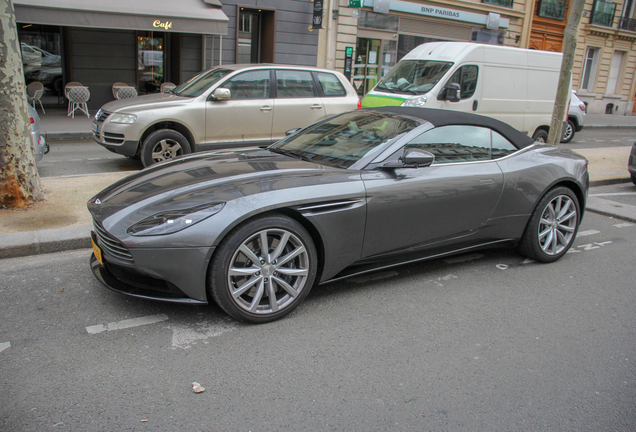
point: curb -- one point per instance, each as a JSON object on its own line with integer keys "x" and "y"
{"x": 20, "y": 244}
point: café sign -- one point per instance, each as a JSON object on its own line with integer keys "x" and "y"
{"x": 164, "y": 25}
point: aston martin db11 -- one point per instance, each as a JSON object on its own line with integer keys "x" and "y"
{"x": 254, "y": 229}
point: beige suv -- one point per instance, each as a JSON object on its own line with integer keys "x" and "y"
{"x": 223, "y": 107}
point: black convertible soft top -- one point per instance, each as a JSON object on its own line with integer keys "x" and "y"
{"x": 440, "y": 117}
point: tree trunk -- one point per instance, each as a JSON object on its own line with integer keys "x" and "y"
{"x": 19, "y": 179}
{"x": 563, "y": 92}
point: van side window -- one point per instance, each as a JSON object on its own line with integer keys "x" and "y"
{"x": 501, "y": 147}
{"x": 466, "y": 77}
{"x": 454, "y": 144}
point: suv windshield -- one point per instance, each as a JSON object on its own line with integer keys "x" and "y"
{"x": 343, "y": 140}
{"x": 196, "y": 85}
{"x": 413, "y": 76}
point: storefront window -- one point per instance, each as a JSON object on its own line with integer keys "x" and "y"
{"x": 492, "y": 37}
{"x": 42, "y": 59}
{"x": 406, "y": 43}
{"x": 378, "y": 21}
{"x": 150, "y": 61}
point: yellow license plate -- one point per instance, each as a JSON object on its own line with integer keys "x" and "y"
{"x": 98, "y": 252}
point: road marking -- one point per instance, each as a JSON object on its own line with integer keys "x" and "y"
{"x": 587, "y": 233}
{"x": 4, "y": 346}
{"x": 184, "y": 336}
{"x": 120, "y": 325}
{"x": 614, "y": 194}
{"x": 502, "y": 266}
{"x": 623, "y": 225}
{"x": 589, "y": 247}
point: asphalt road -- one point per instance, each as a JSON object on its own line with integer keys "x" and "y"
{"x": 88, "y": 157}
{"x": 482, "y": 342}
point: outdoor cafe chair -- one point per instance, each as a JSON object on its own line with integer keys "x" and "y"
{"x": 78, "y": 97}
{"x": 126, "y": 92}
{"x": 35, "y": 90}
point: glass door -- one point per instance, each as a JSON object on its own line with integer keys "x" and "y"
{"x": 150, "y": 61}
{"x": 373, "y": 59}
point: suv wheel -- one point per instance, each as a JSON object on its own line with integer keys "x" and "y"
{"x": 162, "y": 145}
{"x": 569, "y": 131}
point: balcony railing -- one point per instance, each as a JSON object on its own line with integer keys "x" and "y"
{"x": 554, "y": 9}
{"x": 627, "y": 24}
{"x": 603, "y": 13}
{"x": 504, "y": 3}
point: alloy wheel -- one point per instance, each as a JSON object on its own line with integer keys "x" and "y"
{"x": 166, "y": 149}
{"x": 557, "y": 225}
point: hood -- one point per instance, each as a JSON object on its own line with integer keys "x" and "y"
{"x": 205, "y": 178}
{"x": 151, "y": 101}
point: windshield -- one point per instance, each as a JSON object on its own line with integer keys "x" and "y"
{"x": 196, "y": 85}
{"x": 343, "y": 140}
{"x": 413, "y": 76}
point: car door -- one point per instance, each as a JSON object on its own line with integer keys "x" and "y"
{"x": 420, "y": 207}
{"x": 297, "y": 103}
{"x": 246, "y": 118}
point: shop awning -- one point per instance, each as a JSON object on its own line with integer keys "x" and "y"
{"x": 182, "y": 16}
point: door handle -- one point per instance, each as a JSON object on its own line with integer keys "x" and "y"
{"x": 316, "y": 106}
{"x": 475, "y": 104}
{"x": 266, "y": 108}
{"x": 487, "y": 181}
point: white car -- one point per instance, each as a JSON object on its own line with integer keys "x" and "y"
{"x": 40, "y": 147}
{"x": 576, "y": 118}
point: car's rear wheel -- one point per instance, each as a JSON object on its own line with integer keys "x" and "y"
{"x": 163, "y": 144}
{"x": 552, "y": 226}
{"x": 264, "y": 269}
{"x": 540, "y": 136}
{"x": 568, "y": 132}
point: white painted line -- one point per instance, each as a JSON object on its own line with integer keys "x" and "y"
{"x": 614, "y": 194}
{"x": 4, "y": 346}
{"x": 93, "y": 159}
{"x": 623, "y": 225}
{"x": 135, "y": 322}
{"x": 587, "y": 233}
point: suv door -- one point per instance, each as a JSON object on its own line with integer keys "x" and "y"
{"x": 246, "y": 118}
{"x": 297, "y": 103}
{"x": 333, "y": 94}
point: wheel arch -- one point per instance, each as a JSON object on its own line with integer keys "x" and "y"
{"x": 172, "y": 125}
{"x": 570, "y": 184}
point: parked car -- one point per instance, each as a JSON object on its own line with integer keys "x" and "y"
{"x": 576, "y": 118}
{"x": 227, "y": 106}
{"x": 40, "y": 147}
{"x": 253, "y": 229}
{"x": 631, "y": 165}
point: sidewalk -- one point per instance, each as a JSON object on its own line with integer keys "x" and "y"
{"x": 61, "y": 222}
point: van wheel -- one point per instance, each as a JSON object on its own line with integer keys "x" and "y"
{"x": 162, "y": 145}
{"x": 540, "y": 136}
{"x": 568, "y": 132}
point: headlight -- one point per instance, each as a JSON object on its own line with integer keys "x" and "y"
{"x": 99, "y": 112}
{"x": 417, "y": 102}
{"x": 123, "y": 118}
{"x": 172, "y": 221}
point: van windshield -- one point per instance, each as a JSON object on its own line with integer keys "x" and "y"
{"x": 196, "y": 85}
{"x": 413, "y": 76}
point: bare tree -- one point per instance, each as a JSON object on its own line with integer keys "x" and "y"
{"x": 563, "y": 92}
{"x": 19, "y": 179}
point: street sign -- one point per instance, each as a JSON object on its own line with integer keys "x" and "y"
{"x": 348, "y": 62}
{"x": 317, "y": 21}
{"x": 355, "y": 3}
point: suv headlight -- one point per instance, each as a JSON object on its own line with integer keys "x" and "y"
{"x": 123, "y": 118}
{"x": 417, "y": 102}
{"x": 173, "y": 221}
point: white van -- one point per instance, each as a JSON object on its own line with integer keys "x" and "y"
{"x": 514, "y": 85}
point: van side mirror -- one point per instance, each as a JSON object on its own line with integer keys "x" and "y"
{"x": 221, "y": 94}
{"x": 451, "y": 93}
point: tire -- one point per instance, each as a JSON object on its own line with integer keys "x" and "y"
{"x": 552, "y": 227}
{"x": 163, "y": 144}
{"x": 243, "y": 281}
{"x": 568, "y": 132}
{"x": 632, "y": 176}
{"x": 540, "y": 136}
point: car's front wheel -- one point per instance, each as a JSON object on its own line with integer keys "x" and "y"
{"x": 568, "y": 132}
{"x": 552, "y": 226}
{"x": 264, "y": 269}
{"x": 163, "y": 144}
{"x": 540, "y": 136}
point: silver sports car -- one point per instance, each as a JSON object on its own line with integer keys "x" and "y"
{"x": 254, "y": 229}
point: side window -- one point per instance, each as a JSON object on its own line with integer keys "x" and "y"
{"x": 249, "y": 85}
{"x": 501, "y": 147}
{"x": 330, "y": 84}
{"x": 294, "y": 84}
{"x": 454, "y": 143}
{"x": 466, "y": 77}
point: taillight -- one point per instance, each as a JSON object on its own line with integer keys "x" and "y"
{"x": 359, "y": 104}
{"x": 32, "y": 121}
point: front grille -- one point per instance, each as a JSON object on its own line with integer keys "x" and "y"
{"x": 102, "y": 115}
{"x": 111, "y": 245}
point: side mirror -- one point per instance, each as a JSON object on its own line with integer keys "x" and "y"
{"x": 451, "y": 93}
{"x": 413, "y": 158}
{"x": 221, "y": 94}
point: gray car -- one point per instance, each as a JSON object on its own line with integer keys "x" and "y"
{"x": 224, "y": 107}
{"x": 254, "y": 229}
{"x": 40, "y": 147}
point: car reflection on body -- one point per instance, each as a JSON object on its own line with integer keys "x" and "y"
{"x": 254, "y": 229}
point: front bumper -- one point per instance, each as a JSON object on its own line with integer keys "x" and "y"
{"x": 115, "y": 140}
